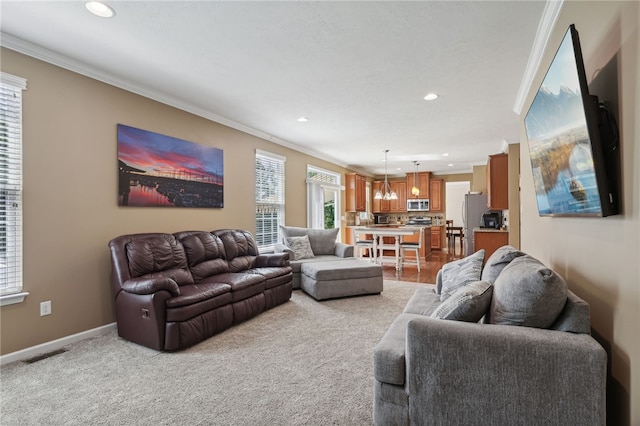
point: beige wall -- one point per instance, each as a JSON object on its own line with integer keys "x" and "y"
{"x": 479, "y": 182}
{"x": 70, "y": 194}
{"x": 600, "y": 257}
{"x": 514, "y": 195}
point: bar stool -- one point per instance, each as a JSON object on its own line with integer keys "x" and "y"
{"x": 361, "y": 245}
{"x": 404, "y": 246}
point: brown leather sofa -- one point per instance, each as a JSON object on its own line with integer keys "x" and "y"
{"x": 175, "y": 290}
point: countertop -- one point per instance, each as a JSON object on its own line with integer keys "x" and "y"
{"x": 391, "y": 225}
{"x": 505, "y": 231}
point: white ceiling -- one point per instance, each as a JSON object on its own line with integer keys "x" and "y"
{"x": 358, "y": 70}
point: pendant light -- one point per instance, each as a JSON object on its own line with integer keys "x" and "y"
{"x": 415, "y": 191}
{"x": 388, "y": 193}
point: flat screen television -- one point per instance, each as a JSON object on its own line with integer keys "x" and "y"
{"x": 572, "y": 156}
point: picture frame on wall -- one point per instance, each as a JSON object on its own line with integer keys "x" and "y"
{"x": 156, "y": 170}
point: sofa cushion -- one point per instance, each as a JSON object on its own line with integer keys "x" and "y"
{"x": 468, "y": 303}
{"x": 323, "y": 241}
{"x": 497, "y": 261}
{"x": 158, "y": 256}
{"x": 424, "y": 301}
{"x": 527, "y": 293}
{"x": 300, "y": 247}
{"x": 460, "y": 273}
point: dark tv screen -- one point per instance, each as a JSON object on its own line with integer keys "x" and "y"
{"x": 562, "y": 129}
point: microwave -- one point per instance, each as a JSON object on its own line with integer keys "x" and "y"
{"x": 418, "y": 205}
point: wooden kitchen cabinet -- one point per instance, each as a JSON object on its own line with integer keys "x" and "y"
{"x": 436, "y": 237}
{"x": 435, "y": 195}
{"x": 498, "y": 182}
{"x": 423, "y": 185}
{"x": 390, "y": 206}
{"x": 356, "y": 193}
{"x": 399, "y": 205}
{"x": 378, "y": 206}
{"x": 489, "y": 240}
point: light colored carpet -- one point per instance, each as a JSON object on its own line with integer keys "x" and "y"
{"x": 301, "y": 363}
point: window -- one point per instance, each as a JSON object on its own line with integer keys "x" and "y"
{"x": 323, "y": 198}
{"x": 11, "y": 88}
{"x": 269, "y": 199}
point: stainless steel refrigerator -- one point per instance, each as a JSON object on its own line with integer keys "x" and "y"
{"x": 474, "y": 206}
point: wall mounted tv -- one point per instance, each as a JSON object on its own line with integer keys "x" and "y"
{"x": 573, "y": 144}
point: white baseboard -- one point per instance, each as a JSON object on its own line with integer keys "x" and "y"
{"x": 54, "y": 344}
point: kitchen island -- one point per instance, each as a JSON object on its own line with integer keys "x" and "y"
{"x": 387, "y": 238}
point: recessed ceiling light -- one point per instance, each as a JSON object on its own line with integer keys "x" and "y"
{"x": 100, "y": 9}
{"x": 446, "y": 154}
{"x": 302, "y": 119}
{"x": 431, "y": 97}
{"x": 450, "y": 164}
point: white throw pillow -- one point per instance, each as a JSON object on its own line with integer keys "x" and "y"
{"x": 301, "y": 247}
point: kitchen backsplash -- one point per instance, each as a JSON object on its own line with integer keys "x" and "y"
{"x": 350, "y": 218}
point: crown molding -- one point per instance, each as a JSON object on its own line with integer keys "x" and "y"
{"x": 38, "y": 52}
{"x": 545, "y": 27}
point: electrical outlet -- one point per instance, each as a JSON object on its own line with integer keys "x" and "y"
{"x": 45, "y": 308}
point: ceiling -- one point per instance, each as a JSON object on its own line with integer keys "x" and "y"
{"x": 357, "y": 70}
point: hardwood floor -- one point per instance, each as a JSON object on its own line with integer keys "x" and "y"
{"x": 428, "y": 269}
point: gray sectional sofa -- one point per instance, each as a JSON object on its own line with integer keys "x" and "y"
{"x": 507, "y": 344}
{"x": 320, "y": 245}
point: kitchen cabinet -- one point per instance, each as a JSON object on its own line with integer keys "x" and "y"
{"x": 399, "y": 205}
{"x": 489, "y": 240}
{"x": 423, "y": 184}
{"x": 435, "y": 195}
{"x": 378, "y": 206}
{"x": 436, "y": 237}
{"x": 390, "y": 206}
{"x": 498, "y": 182}
{"x": 356, "y": 193}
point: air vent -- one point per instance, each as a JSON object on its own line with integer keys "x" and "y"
{"x": 45, "y": 356}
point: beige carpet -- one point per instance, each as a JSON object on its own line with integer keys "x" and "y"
{"x": 301, "y": 363}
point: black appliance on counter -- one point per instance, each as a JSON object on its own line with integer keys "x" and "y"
{"x": 491, "y": 220}
{"x": 419, "y": 221}
{"x": 381, "y": 219}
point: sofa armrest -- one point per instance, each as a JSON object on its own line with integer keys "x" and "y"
{"x": 281, "y": 248}
{"x": 343, "y": 250}
{"x": 151, "y": 285}
{"x": 507, "y": 374}
{"x": 275, "y": 259}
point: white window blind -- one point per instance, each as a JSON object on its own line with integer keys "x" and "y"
{"x": 11, "y": 88}
{"x": 269, "y": 199}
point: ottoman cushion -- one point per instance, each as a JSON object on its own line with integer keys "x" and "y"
{"x": 329, "y": 280}
{"x": 340, "y": 270}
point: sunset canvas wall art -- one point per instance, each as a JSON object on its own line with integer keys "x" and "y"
{"x": 155, "y": 170}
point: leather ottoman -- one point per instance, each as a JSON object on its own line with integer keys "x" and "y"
{"x": 342, "y": 278}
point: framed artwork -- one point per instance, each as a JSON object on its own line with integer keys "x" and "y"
{"x": 155, "y": 170}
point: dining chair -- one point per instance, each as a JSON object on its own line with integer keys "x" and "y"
{"x": 413, "y": 246}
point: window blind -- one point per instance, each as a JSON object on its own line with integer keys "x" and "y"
{"x": 270, "y": 174}
{"x": 11, "y": 88}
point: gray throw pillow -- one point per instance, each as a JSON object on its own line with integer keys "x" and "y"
{"x": 300, "y": 247}
{"x": 468, "y": 303}
{"x": 527, "y": 293}
{"x": 323, "y": 241}
{"x": 461, "y": 272}
{"x": 497, "y": 261}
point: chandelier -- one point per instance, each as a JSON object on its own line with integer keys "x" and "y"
{"x": 415, "y": 191}
{"x": 388, "y": 193}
